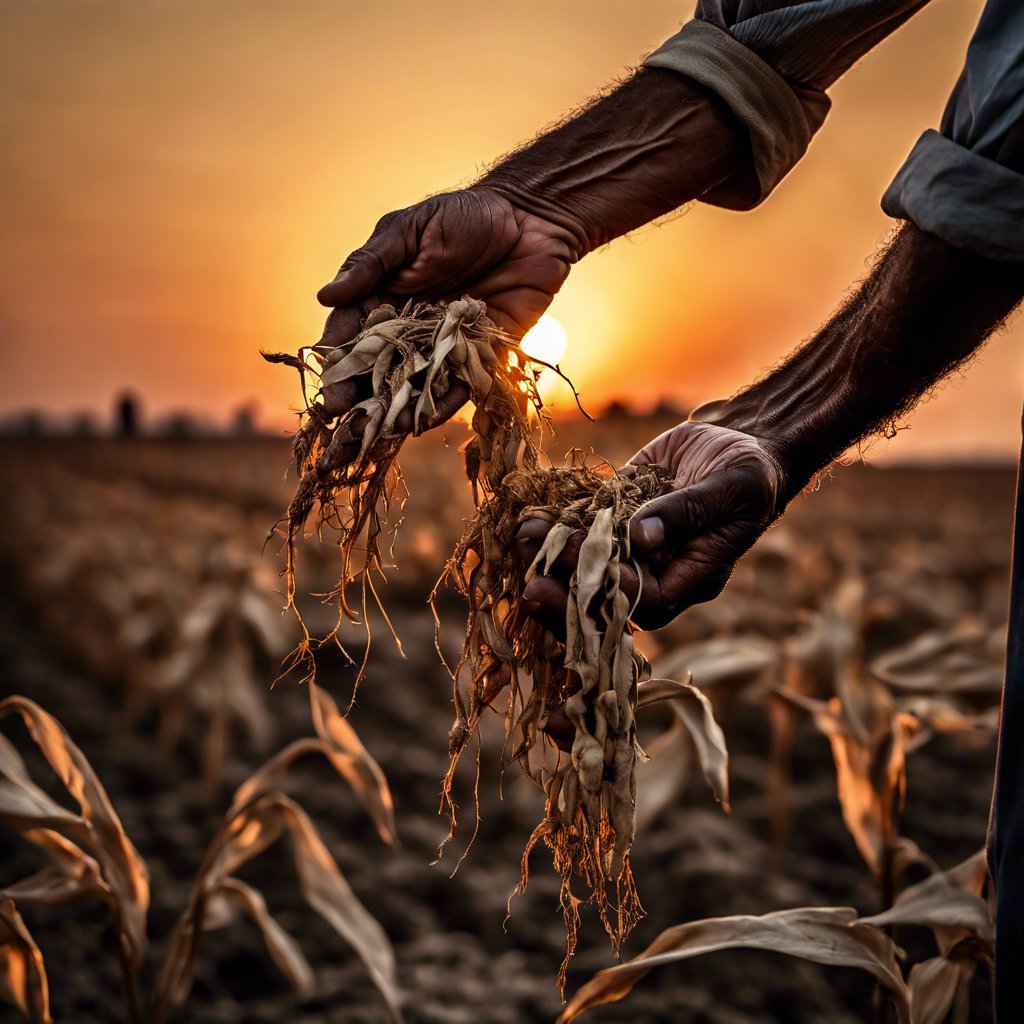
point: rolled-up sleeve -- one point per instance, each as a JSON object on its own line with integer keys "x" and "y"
{"x": 965, "y": 182}
{"x": 771, "y": 62}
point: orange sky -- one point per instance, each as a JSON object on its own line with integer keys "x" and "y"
{"x": 178, "y": 177}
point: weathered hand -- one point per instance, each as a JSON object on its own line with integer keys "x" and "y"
{"x": 472, "y": 242}
{"x": 729, "y": 487}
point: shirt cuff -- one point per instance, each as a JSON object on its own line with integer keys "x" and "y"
{"x": 961, "y": 197}
{"x": 780, "y": 117}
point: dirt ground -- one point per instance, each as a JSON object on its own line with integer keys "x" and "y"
{"x": 945, "y": 532}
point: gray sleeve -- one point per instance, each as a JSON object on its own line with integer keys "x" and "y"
{"x": 771, "y": 61}
{"x": 965, "y": 183}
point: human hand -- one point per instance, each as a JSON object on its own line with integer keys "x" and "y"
{"x": 729, "y": 487}
{"x": 472, "y": 242}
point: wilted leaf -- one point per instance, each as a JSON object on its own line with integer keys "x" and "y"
{"x": 870, "y": 760}
{"x": 933, "y": 987}
{"x": 22, "y": 973}
{"x": 824, "y": 935}
{"x": 338, "y": 742}
{"x": 939, "y": 662}
{"x": 283, "y": 949}
{"x": 73, "y": 872}
{"x": 723, "y": 661}
{"x": 661, "y": 780}
{"x": 949, "y": 903}
{"x": 248, "y": 830}
{"x": 353, "y": 762}
{"x": 327, "y": 892}
{"x": 945, "y": 715}
{"x": 98, "y": 828}
{"x": 695, "y": 712}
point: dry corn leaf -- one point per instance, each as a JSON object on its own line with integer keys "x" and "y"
{"x": 73, "y": 872}
{"x": 940, "y": 663}
{"x": 98, "y": 827}
{"x": 869, "y": 751}
{"x": 824, "y": 935}
{"x": 934, "y": 985}
{"x": 723, "y": 661}
{"x": 662, "y": 779}
{"x": 353, "y": 762}
{"x": 949, "y": 903}
{"x": 23, "y": 980}
{"x": 283, "y": 949}
{"x": 337, "y": 741}
{"x": 247, "y": 832}
{"x": 695, "y": 712}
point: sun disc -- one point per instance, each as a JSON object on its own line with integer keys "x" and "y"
{"x": 546, "y": 340}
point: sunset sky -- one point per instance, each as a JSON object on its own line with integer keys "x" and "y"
{"x": 178, "y": 177}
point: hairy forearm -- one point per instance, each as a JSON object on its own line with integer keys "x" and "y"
{"x": 652, "y": 144}
{"x": 925, "y": 308}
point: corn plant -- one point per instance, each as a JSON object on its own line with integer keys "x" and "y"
{"x": 90, "y": 856}
{"x": 948, "y": 903}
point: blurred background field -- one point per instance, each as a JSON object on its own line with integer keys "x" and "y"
{"x": 140, "y": 606}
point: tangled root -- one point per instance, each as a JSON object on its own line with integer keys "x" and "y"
{"x": 346, "y": 452}
{"x": 589, "y": 819}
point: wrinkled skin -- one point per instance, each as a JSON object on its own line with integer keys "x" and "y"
{"x": 472, "y": 242}
{"x": 729, "y": 489}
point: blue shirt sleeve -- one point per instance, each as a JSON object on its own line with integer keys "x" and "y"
{"x": 965, "y": 182}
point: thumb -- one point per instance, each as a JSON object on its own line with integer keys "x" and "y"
{"x": 365, "y": 268}
{"x": 674, "y": 518}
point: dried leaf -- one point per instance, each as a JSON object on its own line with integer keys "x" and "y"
{"x": 353, "y": 762}
{"x": 99, "y": 828}
{"x": 327, "y": 892}
{"x": 723, "y": 661}
{"x": 940, "y": 663}
{"x": 338, "y": 742}
{"x": 824, "y": 935}
{"x": 695, "y": 712}
{"x": 662, "y": 779}
{"x": 247, "y": 832}
{"x": 22, "y": 972}
{"x": 283, "y": 949}
{"x": 949, "y": 903}
{"x": 933, "y": 987}
{"x": 74, "y": 873}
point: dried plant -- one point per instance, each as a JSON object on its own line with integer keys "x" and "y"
{"x": 596, "y": 675}
{"x": 89, "y": 851}
{"x": 348, "y": 472}
{"x": 90, "y": 855}
{"x": 163, "y": 597}
{"x": 23, "y": 981}
{"x": 248, "y": 829}
{"x": 346, "y": 452}
{"x": 827, "y": 935}
{"x": 948, "y": 903}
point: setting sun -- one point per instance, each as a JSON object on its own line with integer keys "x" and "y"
{"x": 545, "y": 341}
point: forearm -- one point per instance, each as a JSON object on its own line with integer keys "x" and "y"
{"x": 654, "y": 143}
{"x": 925, "y": 308}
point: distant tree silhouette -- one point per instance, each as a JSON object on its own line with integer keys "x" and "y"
{"x": 126, "y": 415}
{"x": 32, "y": 423}
{"x": 669, "y": 409}
{"x": 617, "y": 410}
{"x": 83, "y": 424}
{"x": 180, "y": 426}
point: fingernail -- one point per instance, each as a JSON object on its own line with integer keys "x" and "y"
{"x": 651, "y": 532}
